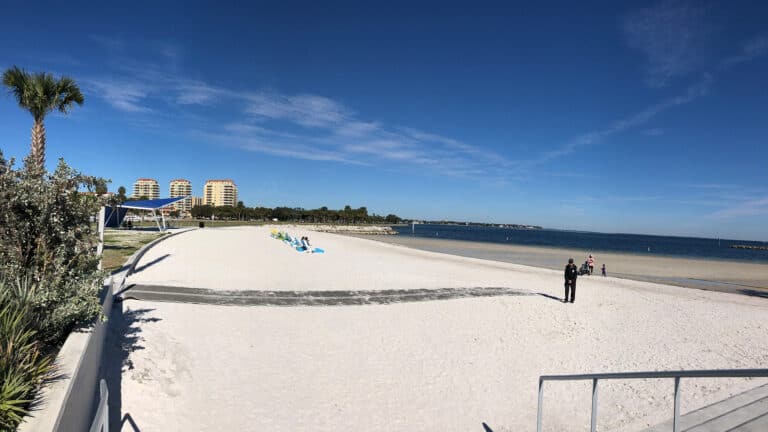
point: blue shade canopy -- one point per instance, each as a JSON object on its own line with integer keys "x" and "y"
{"x": 113, "y": 216}
{"x": 150, "y": 204}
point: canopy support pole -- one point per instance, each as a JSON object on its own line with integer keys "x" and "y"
{"x": 157, "y": 220}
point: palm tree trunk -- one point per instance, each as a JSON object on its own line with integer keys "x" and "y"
{"x": 37, "y": 152}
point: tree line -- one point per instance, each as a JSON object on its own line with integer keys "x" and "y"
{"x": 347, "y": 215}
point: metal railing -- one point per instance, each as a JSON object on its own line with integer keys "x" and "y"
{"x": 101, "y": 419}
{"x": 676, "y": 375}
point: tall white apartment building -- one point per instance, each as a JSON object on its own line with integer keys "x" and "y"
{"x": 220, "y": 193}
{"x": 146, "y": 187}
{"x": 181, "y": 188}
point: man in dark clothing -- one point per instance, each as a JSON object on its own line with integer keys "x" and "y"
{"x": 570, "y": 280}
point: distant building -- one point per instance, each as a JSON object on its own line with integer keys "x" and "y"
{"x": 220, "y": 193}
{"x": 196, "y": 201}
{"x": 181, "y": 188}
{"x": 146, "y": 187}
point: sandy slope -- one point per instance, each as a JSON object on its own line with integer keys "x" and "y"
{"x": 437, "y": 365}
{"x": 700, "y": 273}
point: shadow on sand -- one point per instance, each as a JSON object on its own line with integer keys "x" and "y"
{"x": 755, "y": 293}
{"x": 150, "y": 264}
{"x": 124, "y": 337}
{"x": 550, "y": 297}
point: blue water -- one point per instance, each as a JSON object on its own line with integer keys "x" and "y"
{"x": 590, "y": 242}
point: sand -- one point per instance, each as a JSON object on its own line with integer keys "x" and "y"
{"x": 721, "y": 275}
{"x": 445, "y": 365}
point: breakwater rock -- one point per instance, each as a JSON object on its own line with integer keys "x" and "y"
{"x": 752, "y": 247}
{"x": 350, "y": 229}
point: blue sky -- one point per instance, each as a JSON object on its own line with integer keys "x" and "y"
{"x": 645, "y": 117}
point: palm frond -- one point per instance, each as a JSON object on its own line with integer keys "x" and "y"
{"x": 18, "y": 81}
{"x": 68, "y": 94}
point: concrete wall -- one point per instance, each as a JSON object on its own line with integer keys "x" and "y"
{"x": 69, "y": 403}
{"x": 80, "y": 407}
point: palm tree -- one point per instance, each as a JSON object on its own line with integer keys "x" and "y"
{"x": 41, "y": 93}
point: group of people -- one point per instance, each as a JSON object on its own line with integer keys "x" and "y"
{"x": 301, "y": 245}
{"x": 571, "y": 273}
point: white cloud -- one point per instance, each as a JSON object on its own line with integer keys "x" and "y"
{"x": 751, "y": 50}
{"x": 654, "y": 132}
{"x": 306, "y": 110}
{"x": 357, "y": 128}
{"x": 197, "y": 93}
{"x": 751, "y": 207}
{"x": 672, "y": 35}
{"x": 695, "y": 91}
{"x": 108, "y": 42}
{"x": 123, "y": 95}
{"x": 302, "y": 126}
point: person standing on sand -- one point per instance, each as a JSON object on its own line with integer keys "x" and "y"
{"x": 603, "y": 270}
{"x": 570, "y": 280}
{"x": 591, "y": 262}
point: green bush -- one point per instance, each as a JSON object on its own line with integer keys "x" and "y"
{"x": 47, "y": 246}
{"x": 23, "y": 366}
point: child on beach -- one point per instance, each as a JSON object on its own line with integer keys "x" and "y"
{"x": 603, "y": 270}
{"x": 591, "y": 262}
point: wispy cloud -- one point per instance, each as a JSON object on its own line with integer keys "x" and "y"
{"x": 301, "y": 126}
{"x": 197, "y": 93}
{"x": 751, "y": 50}
{"x": 654, "y": 132}
{"x": 110, "y": 43}
{"x": 123, "y": 95}
{"x": 325, "y": 129}
{"x": 672, "y": 35}
{"x": 304, "y": 109}
{"x": 694, "y": 91}
{"x": 753, "y": 207}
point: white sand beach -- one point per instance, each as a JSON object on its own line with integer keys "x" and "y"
{"x": 438, "y": 365}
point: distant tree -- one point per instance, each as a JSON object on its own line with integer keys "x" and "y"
{"x": 121, "y": 198}
{"x": 40, "y": 94}
{"x": 393, "y": 219}
{"x": 101, "y": 186}
{"x": 203, "y": 211}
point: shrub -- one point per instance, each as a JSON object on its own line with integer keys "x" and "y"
{"x": 49, "y": 277}
{"x": 23, "y": 366}
{"x": 47, "y": 246}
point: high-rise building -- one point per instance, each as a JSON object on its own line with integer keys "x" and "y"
{"x": 146, "y": 187}
{"x": 181, "y": 188}
{"x": 220, "y": 193}
{"x": 196, "y": 201}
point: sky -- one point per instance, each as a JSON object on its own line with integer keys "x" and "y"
{"x": 632, "y": 117}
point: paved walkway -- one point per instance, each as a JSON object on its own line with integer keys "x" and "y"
{"x": 744, "y": 412}
{"x": 309, "y": 298}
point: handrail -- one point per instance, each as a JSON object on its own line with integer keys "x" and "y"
{"x": 101, "y": 419}
{"x": 710, "y": 373}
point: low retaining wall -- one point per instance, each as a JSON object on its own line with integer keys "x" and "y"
{"x": 69, "y": 403}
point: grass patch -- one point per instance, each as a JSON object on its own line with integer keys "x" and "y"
{"x": 119, "y": 245}
{"x": 188, "y": 223}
